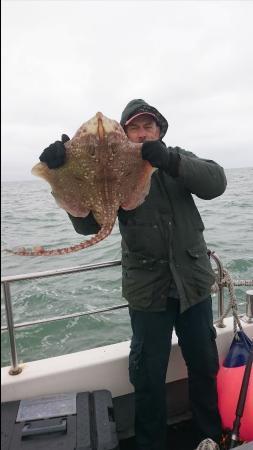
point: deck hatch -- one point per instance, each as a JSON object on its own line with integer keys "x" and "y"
{"x": 47, "y": 406}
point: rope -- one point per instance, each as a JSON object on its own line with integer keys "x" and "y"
{"x": 230, "y": 284}
{"x": 223, "y": 283}
{"x": 243, "y": 282}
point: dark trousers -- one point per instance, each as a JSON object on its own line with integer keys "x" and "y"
{"x": 148, "y": 361}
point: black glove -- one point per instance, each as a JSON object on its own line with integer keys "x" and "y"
{"x": 161, "y": 157}
{"x": 54, "y": 156}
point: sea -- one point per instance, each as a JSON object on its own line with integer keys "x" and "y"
{"x": 30, "y": 217}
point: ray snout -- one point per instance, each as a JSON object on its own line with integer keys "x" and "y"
{"x": 101, "y": 130}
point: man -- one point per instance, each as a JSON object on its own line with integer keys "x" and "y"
{"x": 166, "y": 276}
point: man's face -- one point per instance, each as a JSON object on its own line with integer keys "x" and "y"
{"x": 143, "y": 128}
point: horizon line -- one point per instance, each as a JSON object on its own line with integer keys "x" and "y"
{"x": 38, "y": 179}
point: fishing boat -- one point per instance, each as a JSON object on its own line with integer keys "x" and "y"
{"x": 106, "y": 368}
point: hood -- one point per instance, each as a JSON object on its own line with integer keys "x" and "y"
{"x": 140, "y": 106}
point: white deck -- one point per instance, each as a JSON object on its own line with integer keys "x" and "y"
{"x": 98, "y": 368}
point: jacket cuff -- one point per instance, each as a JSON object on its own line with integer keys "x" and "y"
{"x": 85, "y": 225}
{"x": 174, "y": 163}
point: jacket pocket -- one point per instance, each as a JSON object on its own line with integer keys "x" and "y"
{"x": 200, "y": 269}
{"x": 196, "y": 252}
{"x": 137, "y": 279}
{"x": 143, "y": 278}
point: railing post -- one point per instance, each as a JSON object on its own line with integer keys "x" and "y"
{"x": 220, "y": 291}
{"x": 248, "y": 317}
{"x": 15, "y": 368}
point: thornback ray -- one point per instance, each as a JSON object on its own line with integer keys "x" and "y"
{"x": 103, "y": 171}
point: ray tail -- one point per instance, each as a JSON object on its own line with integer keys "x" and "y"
{"x": 40, "y": 251}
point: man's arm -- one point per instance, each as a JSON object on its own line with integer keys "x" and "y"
{"x": 202, "y": 177}
{"x": 87, "y": 225}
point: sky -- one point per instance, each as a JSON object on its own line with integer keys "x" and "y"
{"x": 62, "y": 61}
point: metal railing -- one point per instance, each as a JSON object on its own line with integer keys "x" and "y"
{"x": 6, "y": 281}
{"x": 10, "y": 327}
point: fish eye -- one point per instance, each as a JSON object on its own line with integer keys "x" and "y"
{"x": 92, "y": 152}
{"x": 114, "y": 149}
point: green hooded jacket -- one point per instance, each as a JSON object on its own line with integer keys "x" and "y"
{"x": 162, "y": 239}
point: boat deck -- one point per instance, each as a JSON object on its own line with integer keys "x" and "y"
{"x": 180, "y": 436}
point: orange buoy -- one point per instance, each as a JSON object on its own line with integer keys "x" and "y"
{"x": 229, "y": 383}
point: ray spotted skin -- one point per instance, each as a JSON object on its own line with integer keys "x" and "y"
{"x": 103, "y": 171}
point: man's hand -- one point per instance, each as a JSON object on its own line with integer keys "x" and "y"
{"x": 160, "y": 156}
{"x": 54, "y": 156}
{"x": 156, "y": 153}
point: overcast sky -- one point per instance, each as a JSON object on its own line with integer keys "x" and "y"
{"x": 62, "y": 61}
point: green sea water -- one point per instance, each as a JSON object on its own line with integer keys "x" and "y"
{"x": 30, "y": 217}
